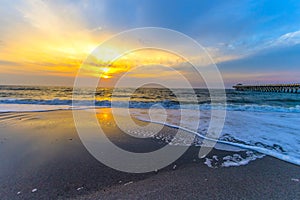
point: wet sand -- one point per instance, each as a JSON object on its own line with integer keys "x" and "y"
{"x": 42, "y": 157}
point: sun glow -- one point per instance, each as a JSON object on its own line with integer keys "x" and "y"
{"x": 105, "y": 69}
{"x": 51, "y": 46}
{"x": 107, "y": 63}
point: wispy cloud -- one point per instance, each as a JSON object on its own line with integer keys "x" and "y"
{"x": 51, "y": 18}
{"x": 290, "y": 38}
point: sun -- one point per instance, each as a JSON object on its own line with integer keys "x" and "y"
{"x": 105, "y": 76}
{"x": 106, "y": 72}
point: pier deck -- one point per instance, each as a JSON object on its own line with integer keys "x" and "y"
{"x": 284, "y": 88}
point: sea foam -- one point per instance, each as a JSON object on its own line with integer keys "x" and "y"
{"x": 270, "y": 133}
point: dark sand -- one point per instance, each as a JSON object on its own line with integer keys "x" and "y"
{"x": 42, "y": 150}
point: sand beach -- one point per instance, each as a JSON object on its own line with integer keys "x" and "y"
{"x": 42, "y": 157}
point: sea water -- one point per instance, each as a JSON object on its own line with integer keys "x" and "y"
{"x": 268, "y": 123}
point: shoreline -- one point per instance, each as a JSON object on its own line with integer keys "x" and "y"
{"x": 42, "y": 151}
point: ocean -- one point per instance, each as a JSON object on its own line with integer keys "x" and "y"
{"x": 268, "y": 123}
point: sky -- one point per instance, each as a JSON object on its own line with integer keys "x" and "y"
{"x": 45, "y": 42}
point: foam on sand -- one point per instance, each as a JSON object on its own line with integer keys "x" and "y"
{"x": 275, "y": 134}
{"x": 234, "y": 160}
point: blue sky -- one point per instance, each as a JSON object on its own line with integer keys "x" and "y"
{"x": 250, "y": 41}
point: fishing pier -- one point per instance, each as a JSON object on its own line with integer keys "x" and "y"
{"x": 283, "y": 88}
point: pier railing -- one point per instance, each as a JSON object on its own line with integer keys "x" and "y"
{"x": 285, "y": 88}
